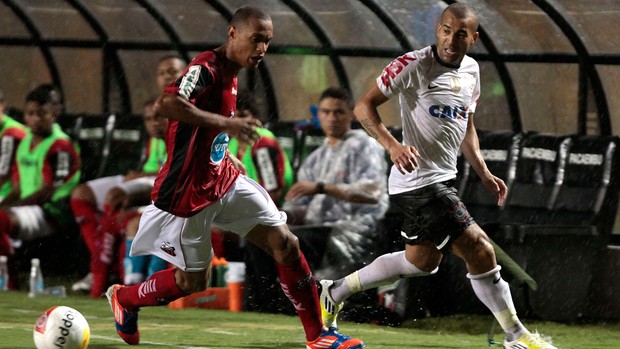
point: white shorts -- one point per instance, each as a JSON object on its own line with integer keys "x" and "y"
{"x": 101, "y": 186}
{"x": 186, "y": 242}
{"x": 32, "y": 223}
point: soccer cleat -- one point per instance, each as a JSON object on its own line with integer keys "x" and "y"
{"x": 126, "y": 321}
{"x": 329, "y": 308}
{"x": 529, "y": 341}
{"x": 83, "y": 285}
{"x": 330, "y": 339}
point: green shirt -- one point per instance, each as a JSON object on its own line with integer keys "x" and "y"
{"x": 31, "y": 162}
{"x": 156, "y": 155}
{"x": 267, "y": 165}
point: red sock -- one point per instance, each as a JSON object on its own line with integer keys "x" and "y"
{"x": 160, "y": 289}
{"x": 105, "y": 254}
{"x": 299, "y": 286}
{"x": 86, "y": 217}
{"x": 6, "y": 248}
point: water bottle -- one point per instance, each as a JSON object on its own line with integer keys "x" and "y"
{"x": 36, "y": 278}
{"x": 4, "y": 274}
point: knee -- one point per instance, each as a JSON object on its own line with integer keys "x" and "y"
{"x": 116, "y": 198}
{"x": 83, "y": 192}
{"x": 285, "y": 249}
{"x": 191, "y": 282}
{"x": 132, "y": 227}
{"x": 480, "y": 251}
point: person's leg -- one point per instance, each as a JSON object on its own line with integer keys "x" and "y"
{"x": 250, "y": 212}
{"x": 7, "y": 230}
{"x": 295, "y": 276}
{"x": 134, "y": 266}
{"x": 415, "y": 260}
{"x": 84, "y": 207}
{"x": 474, "y": 248}
{"x": 87, "y": 201}
{"x": 161, "y": 233}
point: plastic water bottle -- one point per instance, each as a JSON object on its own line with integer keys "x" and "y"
{"x": 4, "y": 274}
{"x": 37, "y": 286}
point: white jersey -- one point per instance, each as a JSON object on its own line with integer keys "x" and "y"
{"x": 435, "y": 102}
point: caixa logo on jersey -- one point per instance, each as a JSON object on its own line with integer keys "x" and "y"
{"x": 448, "y": 112}
{"x": 218, "y": 147}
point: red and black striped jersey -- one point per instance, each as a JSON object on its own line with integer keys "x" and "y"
{"x": 197, "y": 172}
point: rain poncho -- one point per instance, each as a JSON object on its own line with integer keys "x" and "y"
{"x": 356, "y": 163}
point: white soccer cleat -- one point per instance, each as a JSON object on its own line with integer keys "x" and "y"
{"x": 529, "y": 341}
{"x": 83, "y": 285}
{"x": 329, "y": 308}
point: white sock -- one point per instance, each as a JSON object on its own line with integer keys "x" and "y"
{"x": 494, "y": 292}
{"x": 384, "y": 270}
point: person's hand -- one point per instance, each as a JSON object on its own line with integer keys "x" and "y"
{"x": 404, "y": 157}
{"x": 132, "y": 175}
{"x": 236, "y": 163}
{"x": 244, "y": 129}
{"x": 497, "y": 186}
{"x": 301, "y": 189}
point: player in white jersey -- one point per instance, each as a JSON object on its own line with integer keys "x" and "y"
{"x": 438, "y": 89}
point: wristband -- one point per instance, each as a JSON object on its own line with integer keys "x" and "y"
{"x": 320, "y": 187}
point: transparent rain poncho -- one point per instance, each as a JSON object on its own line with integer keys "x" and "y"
{"x": 356, "y": 163}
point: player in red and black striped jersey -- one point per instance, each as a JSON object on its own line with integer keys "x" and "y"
{"x": 199, "y": 186}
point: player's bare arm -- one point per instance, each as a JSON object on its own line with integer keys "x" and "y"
{"x": 471, "y": 150}
{"x": 178, "y": 108}
{"x": 404, "y": 157}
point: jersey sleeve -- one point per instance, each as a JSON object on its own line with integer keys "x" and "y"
{"x": 195, "y": 80}
{"x": 399, "y": 75}
{"x": 62, "y": 163}
{"x": 8, "y": 147}
{"x": 476, "y": 94}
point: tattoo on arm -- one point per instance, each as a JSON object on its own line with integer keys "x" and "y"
{"x": 369, "y": 126}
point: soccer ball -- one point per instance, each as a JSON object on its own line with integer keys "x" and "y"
{"x": 61, "y": 327}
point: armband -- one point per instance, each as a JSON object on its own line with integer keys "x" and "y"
{"x": 320, "y": 187}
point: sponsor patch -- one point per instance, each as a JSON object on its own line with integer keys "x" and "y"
{"x": 189, "y": 81}
{"x": 218, "y": 147}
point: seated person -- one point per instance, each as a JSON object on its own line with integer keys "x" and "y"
{"x": 99, "y": 205}
{"x": 48, "y": 168}
{"x": 102, "y": 207}
{"x": 266, "y": 163}
{"x": 11, "y": 133}
{"x": 342, "y": 185}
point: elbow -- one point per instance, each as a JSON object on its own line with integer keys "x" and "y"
{"x": 164, "y": 104}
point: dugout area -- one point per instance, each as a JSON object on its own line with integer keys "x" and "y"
{"x": 548, "y": 117}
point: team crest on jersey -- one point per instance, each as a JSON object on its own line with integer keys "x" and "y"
{"x": 218, "y": 147}
{"x": 455, "y": 84}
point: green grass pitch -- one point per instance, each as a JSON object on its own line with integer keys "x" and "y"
{"x": 162, "y": 327}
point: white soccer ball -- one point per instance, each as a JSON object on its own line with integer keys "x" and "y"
{"x": 61, "y": 327}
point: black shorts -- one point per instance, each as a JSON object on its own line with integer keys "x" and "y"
{"x": 433, "y": 213}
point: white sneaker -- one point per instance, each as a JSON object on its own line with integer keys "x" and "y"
{"x": 83, "y": 285}
{"x": 529, "y": 341}
{"x": 329, "y": 308}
